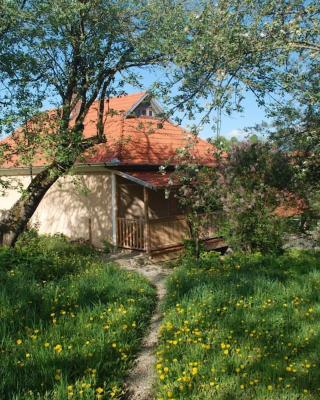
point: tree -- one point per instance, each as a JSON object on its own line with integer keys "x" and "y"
{"x": 295, "y": 129}
{"x": 79, "y": 52}
{"x": 255, "y": 180}
{"x": 246, "y": 185}
{"x": 237, "y": 46}
{"x": 196, "y": 192}
{"x": 270, "y": 48}
{"x": 212, "y": 50}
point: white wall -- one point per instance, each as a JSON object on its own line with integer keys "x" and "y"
{"x": 69, "y": 204}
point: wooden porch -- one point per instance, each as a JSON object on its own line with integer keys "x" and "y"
{"x": 158, "y": 234}
{"x": 150, "y": 220}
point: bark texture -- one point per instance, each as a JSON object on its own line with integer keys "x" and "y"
{"x": 16, "y": 220}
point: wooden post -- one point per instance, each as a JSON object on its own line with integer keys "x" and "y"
{"x": 114, "y": 206}
{"x": 146, "y": 220}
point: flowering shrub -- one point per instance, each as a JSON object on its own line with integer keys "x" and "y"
{"x": 254, "y": 181}
{"x": 70, "y": 323}
{"x": 245, "y": 186}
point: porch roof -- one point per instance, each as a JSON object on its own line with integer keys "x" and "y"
{"x": 154, "y": 180}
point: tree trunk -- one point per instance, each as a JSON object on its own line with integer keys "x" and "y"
{"x": 15, "y": 222}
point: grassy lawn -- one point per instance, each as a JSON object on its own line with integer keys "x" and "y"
{"x": 242, "y": 328}
{"x": 70, "y": 324}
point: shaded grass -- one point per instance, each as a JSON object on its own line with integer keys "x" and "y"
{"x": 242, "y": 328}
{"x": 70, "y": 324}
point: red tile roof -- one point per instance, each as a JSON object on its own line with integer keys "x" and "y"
{"x": 291, "y": 206}
{"x": 134, "y": 140}
{"x": 151, "y": 179}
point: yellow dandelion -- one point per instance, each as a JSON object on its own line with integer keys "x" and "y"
{"x": 194, "y": 371}
{"x": 58, "y": 348}
{"x": 19, "y": 341}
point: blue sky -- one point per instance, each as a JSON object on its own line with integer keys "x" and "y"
{"x": 234, "y": 124}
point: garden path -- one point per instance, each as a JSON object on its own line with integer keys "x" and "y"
{"x": 139, "y": 385}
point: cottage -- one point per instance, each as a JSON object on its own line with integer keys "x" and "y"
{"x": 117, "y": 193}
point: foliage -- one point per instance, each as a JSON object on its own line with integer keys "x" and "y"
{"x": 70, "y": 57}
{"x": 257, "y": 339}
{"x": 233, "y": 46}
{"x": 191, "y": 249}
{"x": 70, "y": 323}
{"x": 255, "y": 181}
{"x": 224, "y": 144}
{"x": 107, "y": 247}
{"x": 243, "y": 188}
{"x": 195, "y": 191}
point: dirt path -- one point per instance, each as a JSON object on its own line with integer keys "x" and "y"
{"x": 140, "y": 381}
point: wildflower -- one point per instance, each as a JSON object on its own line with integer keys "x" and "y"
{"x": 99, "y": 390}
{"x": 270, "y": 387}
{"x": 58, "y": 348}
{"x": 194, "y": 371}
{"x": 19, "y": 341}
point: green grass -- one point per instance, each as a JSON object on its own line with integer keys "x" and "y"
{"x": 70, "y": 323}
{"x": 242, "y": 328}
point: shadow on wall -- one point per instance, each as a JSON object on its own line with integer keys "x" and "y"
{"x": 72, "y": 203}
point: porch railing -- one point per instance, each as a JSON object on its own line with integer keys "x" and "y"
{"x": 130, "y": 233}
{"x": 164, "y": 232}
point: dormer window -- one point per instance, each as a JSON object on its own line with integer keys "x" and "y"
{"x": 147, "y": 107}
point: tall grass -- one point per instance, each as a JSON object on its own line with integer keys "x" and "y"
{"x": 70, "y": 323}
{"x": 242, "y": 328}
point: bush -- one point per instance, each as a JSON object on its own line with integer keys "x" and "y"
{"x": 253, "y": 227}
{"x": 107, "y": 247}
{"x": 190, "y": 248}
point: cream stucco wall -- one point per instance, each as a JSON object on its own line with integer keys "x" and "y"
{"x": 71, "y": 206}
{"x": 11, "y": 195}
